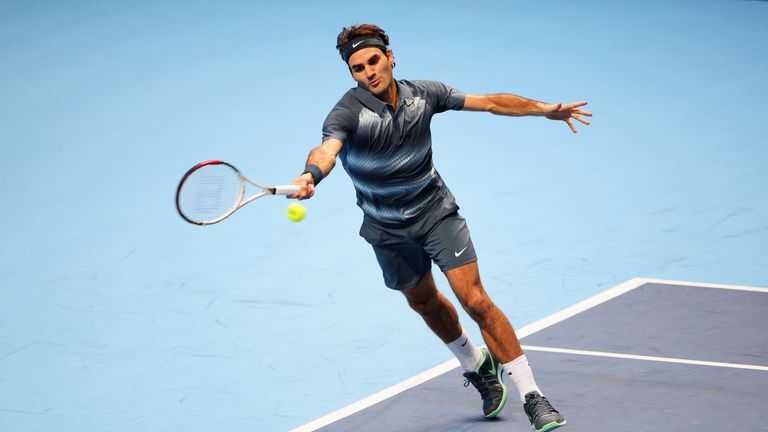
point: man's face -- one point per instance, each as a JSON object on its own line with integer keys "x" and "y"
{"x": 372, "y": 69}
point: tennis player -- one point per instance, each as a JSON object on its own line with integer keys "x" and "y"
{"x": 380, "y": 130}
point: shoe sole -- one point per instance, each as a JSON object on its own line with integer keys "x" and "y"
{"x": 550, "y": 426}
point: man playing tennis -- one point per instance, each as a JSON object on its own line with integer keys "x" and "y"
{"x": 381, "y": 132}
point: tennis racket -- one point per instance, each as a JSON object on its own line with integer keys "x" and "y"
{"x": 212, "y": 190}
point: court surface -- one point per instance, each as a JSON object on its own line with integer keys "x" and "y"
{"x": 647, "y": 355}
{"x": 118, "y": 316}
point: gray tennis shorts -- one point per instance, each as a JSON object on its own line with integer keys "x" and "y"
{"x": 406, "y": 254}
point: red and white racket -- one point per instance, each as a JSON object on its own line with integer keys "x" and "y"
{"x": 212, "y": 190}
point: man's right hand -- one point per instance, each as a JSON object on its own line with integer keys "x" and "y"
{"x": 307, "y": 184}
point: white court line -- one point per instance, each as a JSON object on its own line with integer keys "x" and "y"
{"x": 580, "y": 307}
{"x": 703, "y": 285}
{"x": 521, "y": 333}
{"x": 378, "y": 397}
{"x": 645, "y": 358}
{"x": 452, "y": 364}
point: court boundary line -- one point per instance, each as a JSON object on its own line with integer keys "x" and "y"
{"x": 705, "y": 285}
{"x": 644, "y": 358}
{"x": 534, "y": 327}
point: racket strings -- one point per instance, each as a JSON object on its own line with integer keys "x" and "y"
{"x": 211, "y": 192}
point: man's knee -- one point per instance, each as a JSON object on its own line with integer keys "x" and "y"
{"x": 424, "y": 305}
{"x": 423, "y": 298}
{"x": 478, "y": 306}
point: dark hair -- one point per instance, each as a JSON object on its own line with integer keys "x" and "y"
{"x": 353, "y": 31}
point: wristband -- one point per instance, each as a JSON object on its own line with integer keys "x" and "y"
{"x": 317, "y": 173}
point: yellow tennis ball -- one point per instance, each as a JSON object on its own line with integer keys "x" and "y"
{"x": 296, "y": 212}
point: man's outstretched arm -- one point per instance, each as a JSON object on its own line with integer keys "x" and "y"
{"x": 512, "y": 105}
{"x": 324, "y": 158}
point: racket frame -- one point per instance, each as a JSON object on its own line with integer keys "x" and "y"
{"x": 265, "y": 191}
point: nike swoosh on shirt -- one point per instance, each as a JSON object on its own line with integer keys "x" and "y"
{"x": 458, "y": 254}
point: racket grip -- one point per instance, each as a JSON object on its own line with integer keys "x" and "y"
{"x": 287, "y": 189}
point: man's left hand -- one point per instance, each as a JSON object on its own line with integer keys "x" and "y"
{"x": 567, "y": 112}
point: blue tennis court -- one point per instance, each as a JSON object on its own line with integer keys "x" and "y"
{"x": 116, "y": 315}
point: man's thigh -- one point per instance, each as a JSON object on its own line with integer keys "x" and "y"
{"x": 449, "y": 243}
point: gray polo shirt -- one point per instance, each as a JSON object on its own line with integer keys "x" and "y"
{"x": 388, "y": 152}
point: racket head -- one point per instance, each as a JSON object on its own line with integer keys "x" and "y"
{"x": 209, "y": 192}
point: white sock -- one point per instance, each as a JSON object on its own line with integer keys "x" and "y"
{"x": 522, "y": 375}
{"x": 467, "y": 352}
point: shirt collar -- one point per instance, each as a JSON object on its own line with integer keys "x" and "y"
{"x": 378, "y": 106}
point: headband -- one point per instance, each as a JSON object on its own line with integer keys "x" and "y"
{"x": 359, "y": 43}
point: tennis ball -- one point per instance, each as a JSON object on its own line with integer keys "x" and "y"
{"x": 296, "y": 212}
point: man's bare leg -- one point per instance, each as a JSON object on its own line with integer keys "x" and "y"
{"x": 480, "y": 367}
{"x": 436, "y": 310}
{"x": 502, "y": 341}
{"x": 494, "y": 325}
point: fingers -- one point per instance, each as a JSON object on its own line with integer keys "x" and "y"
{"x": 307, "y": 188}
{"x": 303, "y": 194}
{"x": 310, "y": 192}
{"x": 570, "y": 125}
{"x": 572, "y": 111}
{"x": 582, "y": 112}
{"x": 306, "y": 192}
{"x": 580, "y": 119}
{"x": 571, "y": 106}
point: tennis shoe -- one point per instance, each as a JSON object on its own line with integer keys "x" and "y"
{"x": 487, "y": 380}
{"x": 540, "y": 412}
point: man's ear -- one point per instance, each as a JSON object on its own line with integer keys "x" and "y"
{"x": 390, "y": 56}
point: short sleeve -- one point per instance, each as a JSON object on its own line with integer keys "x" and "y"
{"x": 444, "y": 96}
{"x": 338, "y": 124}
